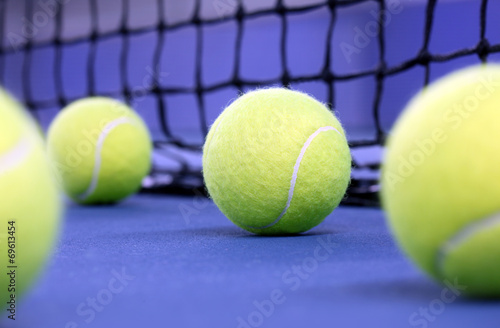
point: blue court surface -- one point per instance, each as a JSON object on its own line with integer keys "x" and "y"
{"x": 176, "y": 261}
{"x": 156, "y": 261}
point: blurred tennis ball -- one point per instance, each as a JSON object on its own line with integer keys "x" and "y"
{"x": 101, "y": 148}
{"x": 276, "y": 161}
{"x": 441, "y": 178}
{"x": 30, "y": 207}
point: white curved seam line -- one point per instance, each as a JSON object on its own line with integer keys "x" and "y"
{"x": 296, "y": 171}
{"x": 97, "y": 161}
{"x": 15, "y": 156}
{"x": 460, "y": 237}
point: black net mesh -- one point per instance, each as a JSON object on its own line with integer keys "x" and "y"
{"x": 186, "y": 179}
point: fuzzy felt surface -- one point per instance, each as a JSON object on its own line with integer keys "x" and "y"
{"x": 276, "y": 161}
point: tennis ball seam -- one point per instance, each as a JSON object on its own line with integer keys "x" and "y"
{"x": 296, "y": 168}
{"x": 108, "y": 128}
{"x": 14, "y": 157}
{"x": 461, "y": 236}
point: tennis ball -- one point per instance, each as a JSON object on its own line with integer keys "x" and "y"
{"x": 276, "y": 161}
{"x": 30, "y": 207}
{"x": 101, "y": 149}
{"x": 440, "y": 180}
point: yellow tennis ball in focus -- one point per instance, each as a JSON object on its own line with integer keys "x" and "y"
{"x": 276, "y": 161}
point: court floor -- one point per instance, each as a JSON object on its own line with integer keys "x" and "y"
{"x": 156, "y": 261}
